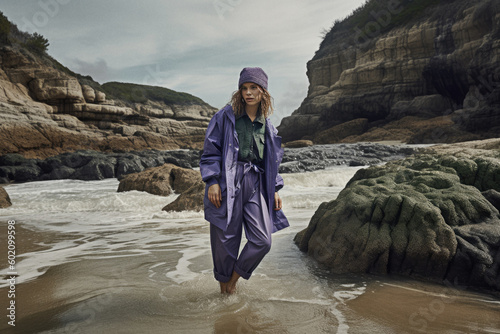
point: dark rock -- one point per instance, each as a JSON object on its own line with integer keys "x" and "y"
{"x": 423, "y": 216}
{"x": 291, "y": 167}
{"x": 493, "y": 197}
{"x": 477, "y": 258}
{"x": 75, "y": 159}
{"x": 128, "y": 164}
{"x": 148, "y": 162}
{"x": 6, "y": 173}
{"x": 12, "y": 159}
{"x": 363, "y": 162}
{"x": 4, "y": 199}
{"x": 321, "y": 156}
{"x": 49, "y": 164}
{"x": 184, "y": 158}
{"x": 60, "y": 173}
{"x": 91, "y": 165}
{"x": 96, "y": 169}
{"x": 23, "y": 173}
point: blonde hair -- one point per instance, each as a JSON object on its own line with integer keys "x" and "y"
{"x": 266, "y": 103}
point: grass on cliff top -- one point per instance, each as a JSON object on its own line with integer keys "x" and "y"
{"x": 142, "y": 93}
{"x": 375, "y": 17}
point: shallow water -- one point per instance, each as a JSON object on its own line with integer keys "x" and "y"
{"x": 91, "y": 260}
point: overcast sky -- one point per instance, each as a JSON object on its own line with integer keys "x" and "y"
{"x": 194, "y": 46}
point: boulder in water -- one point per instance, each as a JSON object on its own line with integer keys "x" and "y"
{"x": 191, "y": 199}
{"x": 163, "y": 180}
{"x": 4, "y": 199}
{"x": 425, "y": 216}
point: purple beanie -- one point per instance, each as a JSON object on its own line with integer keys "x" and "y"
{"x": 253, "y": 74}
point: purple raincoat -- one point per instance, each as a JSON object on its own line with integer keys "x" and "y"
{"x": 218, "y": 165}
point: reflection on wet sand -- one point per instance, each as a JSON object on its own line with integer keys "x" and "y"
{"x": 418, "y": 307}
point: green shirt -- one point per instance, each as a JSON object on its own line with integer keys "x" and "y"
{"x": 251, "y": 136}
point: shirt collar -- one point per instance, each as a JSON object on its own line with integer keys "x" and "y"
{"x": 260, "y": 118}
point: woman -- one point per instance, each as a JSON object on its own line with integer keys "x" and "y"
{"x": 239, "y": 165}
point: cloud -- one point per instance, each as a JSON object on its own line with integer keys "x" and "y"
{"x": 99, "y": 68}
{"x": 196, "y": 46}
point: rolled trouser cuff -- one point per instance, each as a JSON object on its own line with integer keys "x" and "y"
{"x": 242, "y": 273}
{"x": 221, "y": 278}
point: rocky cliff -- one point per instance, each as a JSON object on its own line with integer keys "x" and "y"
{"x": 412, "y": 71}
{"x": 45, "y": 109}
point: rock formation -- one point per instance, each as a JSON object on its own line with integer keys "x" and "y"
{"x": 45, "y": 109}
{"x": 191, "y": 199}
{"x": 4, "y": 199}
{"x": 433, "y": 215}
{"x": 165, "y": 180}
{"x": 93, "y": 165}
{"x": 404, "y": 70}
{"x": 162, "y": 180}
{"x": 90, "y": 165}
{"x": 311, "y": 158}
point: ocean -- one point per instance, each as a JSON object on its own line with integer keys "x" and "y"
{"x": 92, "y": 260}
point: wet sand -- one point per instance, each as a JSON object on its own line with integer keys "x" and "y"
{"x": 408, "y": 306}
{"x": 128, "y": 294}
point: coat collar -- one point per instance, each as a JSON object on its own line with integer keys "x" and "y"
{"x": 228, "y": 110}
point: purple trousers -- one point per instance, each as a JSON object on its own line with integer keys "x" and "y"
{"x": 250, "y": 211}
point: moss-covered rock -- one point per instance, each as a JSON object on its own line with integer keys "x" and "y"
{"x": 424, "y": 216}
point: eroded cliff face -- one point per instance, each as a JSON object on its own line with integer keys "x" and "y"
{"x": 44, "y": 111}
{"x": 433, "y": 78}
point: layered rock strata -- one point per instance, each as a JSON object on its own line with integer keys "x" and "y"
{"x": 406, "y": 71}
{"x": 45, "y": 111}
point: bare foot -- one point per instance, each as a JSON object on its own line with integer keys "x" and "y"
{"x": 223, "y": 287}
{"x": 231, "y": 285}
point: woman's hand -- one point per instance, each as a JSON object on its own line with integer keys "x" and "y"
{"x": 277, "y": 202}
{"x": 215, "y": 195}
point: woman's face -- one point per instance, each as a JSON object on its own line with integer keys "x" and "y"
{"x": 252, "y": 93}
